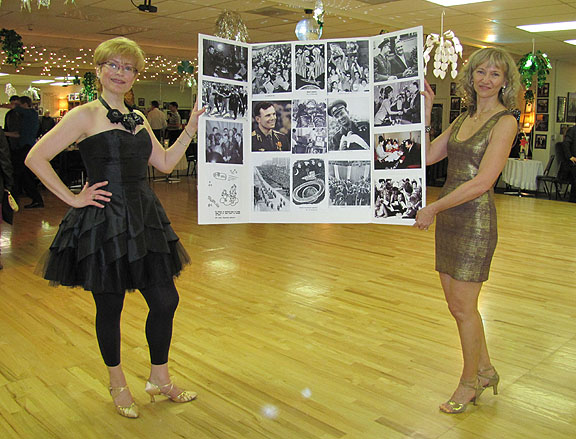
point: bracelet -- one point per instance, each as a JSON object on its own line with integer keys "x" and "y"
{"x": 427, "y": 128}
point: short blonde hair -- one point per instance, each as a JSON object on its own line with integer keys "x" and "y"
{"x": 119, "y": 46}
{"x": 497, "y": 57}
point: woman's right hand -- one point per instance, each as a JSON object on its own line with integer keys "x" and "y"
{"x": 92, "y": 195}
{"x": 429, "y": 96}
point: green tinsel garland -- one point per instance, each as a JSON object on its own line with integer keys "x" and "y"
{"x": 533, "y": 64}
{"x": 12, "y": 47}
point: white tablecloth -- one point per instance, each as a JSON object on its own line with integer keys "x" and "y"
{"x": 522, "y": 173}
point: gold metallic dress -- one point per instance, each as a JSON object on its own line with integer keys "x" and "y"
{"x": 466, "y": 235}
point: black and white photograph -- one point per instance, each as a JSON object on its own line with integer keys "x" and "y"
{"x": 544, "y": 90}
{"x": 541, "y": 122}
{"x": 310, "y": 66}
{"x": 271, "y": 184}
{"x": 309, "y": 113}
{"x": 228, "y": 101}
{"x": 455, "y": 103}
{"x": 542, "y": 105}
{"x": 399, "y": 198}
{"x": 571, "y": 108}
{"x": 309, "y": 140}
{"x": 271, "y": 69}
{"x": 400, "y": 150}
{"x": 348, "y": 66}
{"x": 397, "y": 103}
{"x": 224, "y": 60}
{"x": 453, "y": 89}
{"x": 308, "y": 180}
{"x": 396, "y": 57}
{"x": 349, "y": 183}
{"x": 540, "y": 141}
{"x": 560, "y": 108}
{"x": 348, "y": 124}
{"x": 224, "y": 142}
{"x": 271, "y": 126}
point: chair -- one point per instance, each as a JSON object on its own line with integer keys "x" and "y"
{"x": 192, "y": 157}
{"x": 563, "y": 176}
{"x": 548, "y": 181}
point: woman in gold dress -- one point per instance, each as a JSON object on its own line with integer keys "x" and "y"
{"x": 477, "y": 144}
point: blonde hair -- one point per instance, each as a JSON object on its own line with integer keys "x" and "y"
{"x": 120, "y": 46}
{"x": 497, "y": 57}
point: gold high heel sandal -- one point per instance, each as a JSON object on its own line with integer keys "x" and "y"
{"x": 452, "y": 407}
{"x": 493, "y": 379}
{"x": 165, "y": 389}
{"x": 130, "y": 411}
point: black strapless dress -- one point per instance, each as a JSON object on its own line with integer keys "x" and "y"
{"x": 127, "y": 245}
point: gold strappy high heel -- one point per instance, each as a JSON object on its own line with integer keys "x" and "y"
{"x": 130, "y": 411}
{"x": 493, "y": 379}
{"x": 452, "y": 407}
{"x": 155, "y": 390}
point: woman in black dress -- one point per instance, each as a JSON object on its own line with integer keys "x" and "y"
{"x": 117, "y": 237}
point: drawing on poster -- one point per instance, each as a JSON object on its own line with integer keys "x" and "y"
{"x": 309, "y": 140}
{"x": 309, "y": 113}
{"x": 396, "y": 57}
{"x": 397, "y": 103}
{"x": 348, "y": 123}
{"x": 223, "y": 188}
{"x": 225, "y": 60}
{"x": 308, "y": 178}
{"x": 271, "y": 69}
{"x": 271, "y": 126}
{"x": 228, "y": 101}
{"x": 224, "y": 142}
{"x": 398, "y": 150}
{"x": 348, "y": 66}
{"x": 397, "y": 197}
{"x": 309, "y": 67}
{"x": 271, "y": 184}
{"x": 349, "y": 183}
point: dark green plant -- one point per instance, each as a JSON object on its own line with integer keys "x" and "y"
{"x": 186, "y": 67}
{"x": 89, "y": 86}
{"x": 531, "y": 64}
{"x": 12, "y": 46}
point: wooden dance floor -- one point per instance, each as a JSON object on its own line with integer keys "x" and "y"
{"x": 315, "y": 331}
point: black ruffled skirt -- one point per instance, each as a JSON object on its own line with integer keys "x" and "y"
{"x": 118, "y": 248}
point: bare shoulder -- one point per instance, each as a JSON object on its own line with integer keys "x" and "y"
{"x": 507, "y": 121}
{"x": 82, "y": 114}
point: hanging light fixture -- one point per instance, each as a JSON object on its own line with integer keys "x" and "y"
{"x": 447, "y": 52}
{"x": 310, "y": 28}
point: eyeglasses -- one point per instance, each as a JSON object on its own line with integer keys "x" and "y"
{"x": 131, "y": 70}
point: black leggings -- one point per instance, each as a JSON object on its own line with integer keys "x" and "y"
{"x": 162, "y": 301}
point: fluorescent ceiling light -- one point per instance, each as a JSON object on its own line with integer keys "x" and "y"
{"x": 63, "y": 84}
{"x": 42, "y": 81}
{"x": 456, "y": 2}
{"x": 64, "y": 78}
{"x": 549, "y": 27}
{"x": 570, "y": 42}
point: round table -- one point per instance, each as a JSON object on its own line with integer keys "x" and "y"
{"x": 522, "y": 174}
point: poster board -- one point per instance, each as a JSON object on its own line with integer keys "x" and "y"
{"x": 326, "y": 131}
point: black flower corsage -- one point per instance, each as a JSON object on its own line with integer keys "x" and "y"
{"x": 129, "y": 121}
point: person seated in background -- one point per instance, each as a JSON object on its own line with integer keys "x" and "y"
{"x": 569, "y": 168}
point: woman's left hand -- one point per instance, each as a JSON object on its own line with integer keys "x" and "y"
{"x": 192, "y": 125}
{"x": 425, "y": 217}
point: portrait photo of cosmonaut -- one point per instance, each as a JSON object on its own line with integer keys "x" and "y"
{"x": 348, "y": 124}
{"x": 271, "y": 126}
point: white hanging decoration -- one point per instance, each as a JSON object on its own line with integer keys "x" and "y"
{"x": 447, "y": 52}
{"x": 26, "y": 4}
{"x": 33, "y": 93}
{"x": 10, "y": 90}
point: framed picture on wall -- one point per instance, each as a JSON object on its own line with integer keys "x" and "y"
{"x": 433, "y": 87}
{"x": 540, "y": 141}
{"x": 455, "y": 104}
{"x": 560, "y": 109}
{"x": 571, "y": 108}
{"x": 543, "y": 92}
{"x": 453, "y": 89}
{"x": 541, "y": 122}
{"x": 541, "y": 105}
{"x": 454, "y": 115}
{"x": 436, "y": 120}
{"x": 141, "y": 102}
